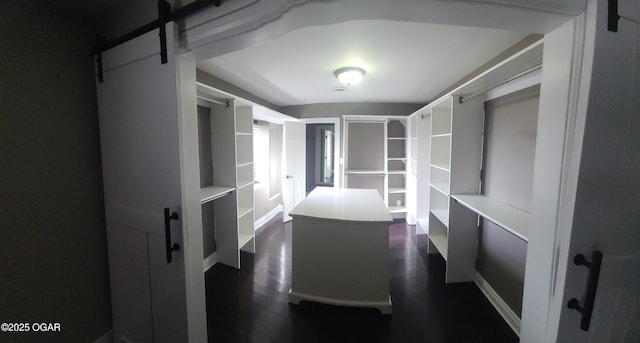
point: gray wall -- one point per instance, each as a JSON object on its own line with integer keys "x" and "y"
{"x": 206, "y": 179}
{"x": 54, "y": 252}
{"x": 511, "y": 124}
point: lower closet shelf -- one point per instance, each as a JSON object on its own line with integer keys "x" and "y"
{"x": 441, "y": 243}
{"x": 244, "y": 239}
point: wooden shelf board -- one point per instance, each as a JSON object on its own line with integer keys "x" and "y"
{"x": 441, "y": 135}
{"x": 397, "y": 172}
{"x": 243, "y": 239}
{"x": 440, "y": 187}
{"x": 243, "y": 211}
{"x": 396, "y": 138}
{"x": 441, "y": 243}
{"x": 441, "y": 166}
{"x": 365, "y": 172}
{"x": 397, "y": 159}
{"x": 509, "y": 218}
{"x": 397, "y": 209}
{"x": 243, "y": 184}
{"x": 214, "y": 192}
{"x": 243, "y": 133}
{"x": 442, "y": 215}
{"x": 395, "y": 190}
{"x": 244, "y": 164}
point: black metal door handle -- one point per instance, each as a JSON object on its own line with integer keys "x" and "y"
{"x": 167, "y": 233}
{"x": 592, "y": 284}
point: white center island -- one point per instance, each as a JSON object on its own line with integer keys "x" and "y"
{"x": 340, "y": 249}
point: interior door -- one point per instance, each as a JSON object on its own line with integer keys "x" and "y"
{"x": 295, "y": 165}
{"x": 607, "y": 207}
{"x": 139, "y": 123}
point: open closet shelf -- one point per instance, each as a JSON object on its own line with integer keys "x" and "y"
{"x": 366, "y": 172}
{"x": 243, "y": 212}
{"x": 441, "y": 243}
{"x": 441, "y": 166}
{"x": 393, "y": 190}
{"x": 244, "y": 184}
{"x": 442, "y": 215}
{"x": 243, "y": 239}
{"x": 510, "y": 218}
{"x": 214, "y": 192}
{"x": 441, "y": 187}
{"x": 397, "y": 209}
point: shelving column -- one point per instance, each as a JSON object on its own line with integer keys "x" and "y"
{"x": 244, "y": 177}
{"x": 456, "y": 146}
{"x": 224, "y": 209}
{"x": 423, "y": 159}
{"x": 439, "y": 170}
{"x": 396, "y": 165}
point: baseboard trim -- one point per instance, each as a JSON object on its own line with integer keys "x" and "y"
{"x": 505, "y": 311}
{"x": 209, "y": 261}
{"x": 267, "y": 217}
{"x": 106, "y": 338}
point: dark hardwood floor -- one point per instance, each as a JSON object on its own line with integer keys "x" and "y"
{"x": 250, "y": 304}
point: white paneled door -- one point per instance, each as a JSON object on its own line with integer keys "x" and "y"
{"x": 607, "y": 205}
{"x": 139, "y": 131}
{"x": 294, "y": 166}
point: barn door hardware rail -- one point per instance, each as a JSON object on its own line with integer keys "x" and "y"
{"x": 612, "y": 16}
{"x": 586, "y": 309}
{"x": 164, "y": 16}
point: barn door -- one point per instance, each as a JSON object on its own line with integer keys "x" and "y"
{"x": 607, "y": 206}
{"x": 139, "y": 132}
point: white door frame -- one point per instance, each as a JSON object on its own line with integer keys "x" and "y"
{"x": 337, "y": 167}
{"x": 209, "y": 39}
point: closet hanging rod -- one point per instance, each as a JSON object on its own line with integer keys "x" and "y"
{"x": 213, "y": 101}
{"x": 422, "y": 116}
{"x": 520, "y": 74}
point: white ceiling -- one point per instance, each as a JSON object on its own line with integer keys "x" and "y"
{"x": 406, "y": 62}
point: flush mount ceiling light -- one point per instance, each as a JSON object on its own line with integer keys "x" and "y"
{"x": 349, "y": 76}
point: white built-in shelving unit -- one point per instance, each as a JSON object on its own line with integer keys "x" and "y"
{"x": 456, "y": 147}
{"x": 230, "y": 186}
{"x": 375, "y": 154}
{"x": 452, "y": 145}
{"x": 396, "y": 197}
{"x": 244, "y": 178}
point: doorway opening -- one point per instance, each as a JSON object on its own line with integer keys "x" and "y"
{"x": 320, "y": 156}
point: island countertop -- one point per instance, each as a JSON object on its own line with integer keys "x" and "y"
{"x": 344, "y": 204}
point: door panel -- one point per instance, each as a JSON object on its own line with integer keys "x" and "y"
{"x": 130, "y": 292}
{"x": 607, "y": 205}
{"x": 295, "y": 166}
{"x": 139, "y": 132}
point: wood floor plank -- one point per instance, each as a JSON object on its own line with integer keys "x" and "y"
{"x": 251, "y": 304}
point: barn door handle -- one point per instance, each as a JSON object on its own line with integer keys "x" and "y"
{"x": 167, "y": 233}
{"x": 592, "y": 284}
